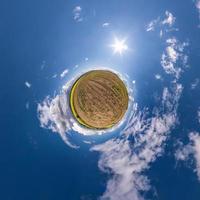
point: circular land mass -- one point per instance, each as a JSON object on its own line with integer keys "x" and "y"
{"x": 99, "y": 99}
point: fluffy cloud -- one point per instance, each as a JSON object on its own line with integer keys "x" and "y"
{"x": 192, "y": 148}
{"x": 195, "y": 139}
{"x": 173, "y": 57}
{"x": 127, "y": 160}
{"x": 142, "y": 141}
{"x": 183, "y": 152}
{"x": 55, "y": 114}
{"x": 170, "y": 19}
{"x": 77, "y": 14}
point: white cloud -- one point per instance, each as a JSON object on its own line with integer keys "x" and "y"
{"x": 198, "y": 6}
{"x": 173, "y": 57}
{"x": 143, "y": 139}
{"x": 162, "y": 24}
{"x": 27, "y": 105}
{"x": 87, "y": 142}
{"x": 54, "y": 76}
{"x": 128, "y": 160}
{"x": 192, "y": 148}
{"x": 183, "y": 152}
{"x": 170, "y": 19}
{"x": 64, "y": 73}
{"x": 151, "y": 26}
{"x": 194, "y": 84}
{"x": 195, "y": 139}
{"x": 77, "y": 14}
{"x": 106, "y": 24}
{"x": 27, "y": 84}
{"x": 158, "y": 76}
{"x": 198, "y": 115}
{"x": 55, "y": 114}
{"x": 161, "y": 33}
{"x": 124, "y": 158}
{"x": 43, "y": 65}
{"x": 76, "y": 66}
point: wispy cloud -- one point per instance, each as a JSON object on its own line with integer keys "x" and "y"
{"x": 152, "y": 25}
{"x": 195, "y": 139}
{"x": 106, "y": 24}
{"x": 55, "y": 114}
{"x": 43, "y": 65}
{"x": 27, "y": 105}
{"x": 162, "y": 24}
{"x": 192, "y": 148}
{"x": 198, "y": 6}
{"x": 54, "y": 76}
{"x": 170, "y": 19}
{"x": 64, "y": 73}
{"x": 142, "y": 141}
{"x": 198, "y": 115}
{"x": 128, "y": 160}
{"x": 77, "y": 14}
{"x": 27, "y": 84}
{"x": 174, "y": 57}
{"x": 194, "y": 84}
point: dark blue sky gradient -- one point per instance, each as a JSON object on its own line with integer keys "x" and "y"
{"x": 35, "y": 164}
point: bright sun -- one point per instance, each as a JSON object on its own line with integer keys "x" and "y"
{"x": 119, "y": 46}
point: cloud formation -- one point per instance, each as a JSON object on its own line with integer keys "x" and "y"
{"x": 106, "y": 24}
{"x": 152, "y": 25}
{"x": 198, "y": 115}
{"x": 168, "y": 20}
{"x": 55, "y": 114}
{"x": 198, "y": 6}
{"x": 184, "y": 152}
{"x": 77, "y": 14}
{"x": 142, "y": 141}
{"x": 174, "y": 57}
{"x": 127, "y": 159}
{"x": 195, "y": 84}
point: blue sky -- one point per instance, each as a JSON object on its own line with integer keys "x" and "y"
{"x": 155, "y": 154}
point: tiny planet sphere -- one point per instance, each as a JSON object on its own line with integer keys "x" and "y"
{"x": 99, "y": 99}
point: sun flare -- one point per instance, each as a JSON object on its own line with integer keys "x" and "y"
{"x": 119, "y": 46}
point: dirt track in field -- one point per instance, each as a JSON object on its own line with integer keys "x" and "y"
{"x": 100, "y": 99}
